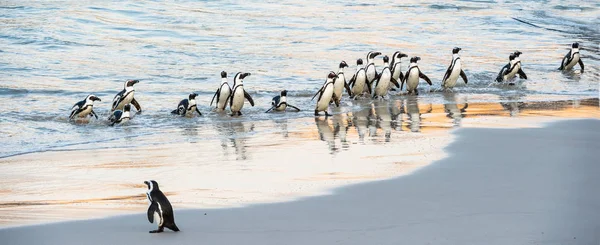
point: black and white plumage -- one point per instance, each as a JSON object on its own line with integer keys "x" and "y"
{"x": 160, "y": 208}
{"x": 454, "y": 71}
{"x": 186, "y": 107}
{"x": 126, "y": 97}
{"x": 340, "y": 83}
{"x": 120, "y": 116}
{"x": 511, "y": 69}
{"x": 395, "y": 66}
{"x": 413, "y": 75}
{"x": 84, "y": 108}
{"x": 371, "y": 69}
{"x": 239, "y": 94}
{"x": 223, "y": 94}
{"x": 325, "y": 95}
{"x": 358, "y": 82}
{"x": 279, "y": 103}
{"x": 571, "y": 59}
{"x": 518, "y": 65}
{"x": 384, "y": 79}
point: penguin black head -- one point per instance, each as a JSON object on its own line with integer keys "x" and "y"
{"x": 399, "y": 55}
{"x": 359, "y": 62}
{"x": 127, "y": 107}
{"x": 575, "y": 45}
{"x": 415, "y": 59}
{"x": 455, "y": 50}
{"x": 223, "y": 74}
{"x": 244, "y": 75}
{"x": 372, "y": 54}
{"x": 192, "y": 96}
{"x": 93, "y": 98}
{"x": 130, "y": 83}
{"x": 284, "y": 93}
{"x": 343, "y": 64}
{"x": 332, "y": 75}
{"x": 240, "y": 76}
{"x": 152, "y": 185}
{"x": 386, "y": 59}
{"x": 517, "y": 53}
{"x": 511, "y": 57}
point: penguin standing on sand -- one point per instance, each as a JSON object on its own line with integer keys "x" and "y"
{"x": 84, "y": 108}
{"x": 395, "y": 66}
{"x": 382, "y": 86}
{"x": 187, "y": 106}
{"x": 160, "y": 207}
{"x": 222, "y": 94}
{"x": 126, "y": 96}
{"x": 371, "y": 69}
{"x": 412, "y": 76}
{"x": 325, "y": 95}
{"x": 120, "y": 116}
{"x": 454, "y": 70}
{"x": 239, "y": 94}
{"x": 359, "y": 80}
{"x": 279, "y": 103}
{"x": 572, "y": 58}
{"x": 340, "y": 83}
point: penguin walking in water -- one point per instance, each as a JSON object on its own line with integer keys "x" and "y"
{"x": 518, "y": 65}
{"x": 507, "y": 69}
{"x": 340, "y": 83}
{"x": 326, "y": 94}
{"x": 160, "y": 207}
{"x": 359, "y": 80}
{"x": 395, "y": 66}
{"x": 382, "y": 85}
{"x": 120, "y": 116}
{"x": 454, "y": 70}
{"x": 126, "y": 97}
{"x": 572, "y": 58}
{"x": 412, "y": 76}
{"x": 371, "y": 69}
{"x": 187, "y": 106}
{"x": 239, "y": 94}
{"x": 279, "y": 103}
{"x": 84, "y": 108}
{"x": 222, "y": 94}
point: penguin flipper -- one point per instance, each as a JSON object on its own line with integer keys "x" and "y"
{"x": 151, "y": 210}
{"x": 395, "y": 82}
{"x": 502, "y": 72}
{"x": 215, "y": 96}
{"x": 336, "y": 100}
{"x": 580, "y": 63}
{"x": 348, "y": 89}
{"x": 117, "y": 99}
{"x": 270, "y": 109}
{"x": 421, "y": 75}
{"x": 401, "y": 83}
{"x": 448, "y": 72}
{"x": 296, "y": 108}
{"x": 352, "y": 80}
{"x": 197, "y": 110}
{"x": 248, "y": 98}
{"x": 94, "y": 113}
{"x": 464, "y": 76}
{"x": 522, "y": 74}
{"x": 136, "y": 104}
{"x": 318, "y": 92}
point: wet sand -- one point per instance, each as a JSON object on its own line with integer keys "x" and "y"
{"x": 498, "y": 186}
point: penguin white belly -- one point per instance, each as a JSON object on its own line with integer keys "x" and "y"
{"x": 223, "y": 96}
{"x": 413, "y": 80}
{"x": 128, "y": 98}
{"x": 323, "y": 103}
{"x": 338, "y": 86}
{"x": 359, "y": 83}
{"x": 238, "y": 100}
{"x": 396, "y": 74}
{"x": 85, "y": 112}
{"x": 282, "y": 106}
{"x": 451, "y": 80}
{"x": 384, "y": 83}
{"x": 371, "y": 73}
{"x": 573, "y": 62}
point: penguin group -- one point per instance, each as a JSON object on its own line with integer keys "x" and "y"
{"x": 365, "y": 82}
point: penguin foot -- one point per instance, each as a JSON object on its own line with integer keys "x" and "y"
{"x": 156, "y": 231}
{"x": 316, "y": 113}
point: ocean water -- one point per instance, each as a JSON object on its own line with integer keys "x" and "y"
{"x": 54, "y": 53}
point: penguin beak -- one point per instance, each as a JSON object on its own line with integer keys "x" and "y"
{"x": 244, "y": 75}
{"x": 418, "y": 58}
{"x": 146, "y": 182}
{"x": 135, "y": 81}
{"x": 96, "y": 99}
{"x": 403, "y": 55}
{"x": 376, "y": 54}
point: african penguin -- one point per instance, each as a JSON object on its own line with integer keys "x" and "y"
{"x": 371, "y": 69}
{"x": 84, "y": 108}
{"x": 382, "y": 85}
{"x": 571, "y": 59}
{"x": 502, "y": 75}
{"x": 395, "y": 66}
{"x": 359, "y": 80}
{"x": 222, "y": 94}
{"x": 187, "y": 106}
{"x": 518, "y": 65}
{"x": 325, "y": 95}
{"x": 340, "y": 83}
{"x": 236, "y": 102}
{"x": 454, "y": 70}
{"x": 126, "y": 96}
{"x": 159, "y": 207}
{"x": 279, "y": 103}
{"x": 120, "y": 116}
{"x": 412, "y": 76}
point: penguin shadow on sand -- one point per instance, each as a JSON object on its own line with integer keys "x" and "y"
{"x": 512, "y": 104}
{"x": 235, "y": 137}
{"x": 411, "y": 103}
{"x": 452, "y": 109}
{"x": 327, "y": 133}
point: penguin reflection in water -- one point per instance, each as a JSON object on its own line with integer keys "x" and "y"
{"x": 187, "y": 106}
{"x": 279, "y": 103}
{"x": 325, "y": 95}
{"x": 84, "y": 108}
{"x": 160, "y": 208}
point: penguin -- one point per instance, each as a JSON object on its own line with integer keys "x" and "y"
{"x": 222, "y": 94}
{"x": 370, "y": 69}
{"x": 159, "y": 207}
{"x": 518, "y": 65}
{"x": 126, "y": 96}
{"x": 359, "y": 80}
{"x": 382, "y": 85}
{"x": 340, "y": 83}
{"x": 412, "y": 76}
{"x": 187, "y": 106}
{"x": 325, "y": 95}
{"x": 571, "y": 59}
{"x": 508, "y": 68}
{"x": 84, "y": 108}
{"x": 279, "y": 103}
{"x": 395, "y": 66}
{"x": 454, "y": 70}
{"x": 236, "y": 103}
{"x": 120, "y": 116}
